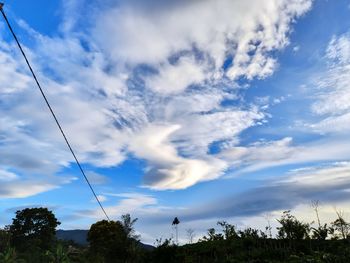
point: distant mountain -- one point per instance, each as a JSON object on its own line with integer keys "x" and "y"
{"x": 80, "y": 237}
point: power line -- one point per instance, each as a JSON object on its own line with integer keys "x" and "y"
{"x": 51, "y": 110}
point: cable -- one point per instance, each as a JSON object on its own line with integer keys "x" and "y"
{"x": 51, "y": 110}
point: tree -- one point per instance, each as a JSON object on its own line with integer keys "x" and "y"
{"x": 249, "y": 233}
{"x": 321, "y": 232}
{"x": 128, "y": 225}
{"x": 315, "y": 205}
{"x": 190, "y": 234}
{"x": 292, "y": 228}
{"x": 175, "y": 223}
{"x": 108, "y": 241}
{"x": 212, "y": 235}
{"x": 228, "y": 230}
{"x": 268, "y": 228}
{"x": 33, "y": 226}
{"x": 340, "y": 227}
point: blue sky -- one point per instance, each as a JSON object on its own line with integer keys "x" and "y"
{"x": 204, "y": 110}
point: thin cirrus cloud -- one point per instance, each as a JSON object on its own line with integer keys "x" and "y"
{"x": 298, "y": 187}
{"x": 121, "y": 79}
{"x": 333, "y": 90}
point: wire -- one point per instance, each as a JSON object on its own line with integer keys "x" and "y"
{"x": 52, "y": 112}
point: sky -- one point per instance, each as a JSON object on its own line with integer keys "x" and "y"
{"x": 205, "y": 110}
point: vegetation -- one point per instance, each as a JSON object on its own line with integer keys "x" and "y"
{"x": 31, "y": 238}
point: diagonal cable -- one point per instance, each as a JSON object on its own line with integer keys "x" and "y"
{"x": 52, "y": 112}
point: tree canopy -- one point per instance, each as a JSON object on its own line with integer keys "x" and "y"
{"x": 35, "y": 226}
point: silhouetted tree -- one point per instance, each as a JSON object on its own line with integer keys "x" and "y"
{"x": 228, "y": 230}
{"x": 128, "y": 225}
{"x": 315, "y": 205}
{"x": 249, "y": 233}
{"x": 108, "y": 241}
{"x": 190, "y": 234}
{"x": 175, "y": 223}
{"x": 291, "y": 228}
{"x": 33, "y": 227}
{"x": 268, "y": 228}
{"x": 340, "y": 227}
{"x": 212, "y": 235}
{"x": 321, "y": 232}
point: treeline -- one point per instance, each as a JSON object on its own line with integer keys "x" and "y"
{"x": 31, "y": 239}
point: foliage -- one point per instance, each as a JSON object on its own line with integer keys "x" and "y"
{"x": 9, "y": 256}
{"x": 212, "y": 235}
{"x": 340, "y": 228}
{"x": 58, "y": 255}
{"x": 292, "y": 228}
{"x": 128, "y": 225}
{"x": 176, "y": 221}
{"x": 320, "y": 233}
{"x": 115, "y": 241}
{"x": 5, "y": 238}
{"x": 108, "y": 241}
{"x": 33, "y": 227}
{"x": 228, "y": 230}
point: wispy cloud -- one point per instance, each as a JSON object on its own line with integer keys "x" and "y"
{"x": 333, "y": 98}
{"x": 157, "y": 78}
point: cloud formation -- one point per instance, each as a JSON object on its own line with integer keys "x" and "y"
{"x": 333, "y": 98}
{"x": 148, "y": 83}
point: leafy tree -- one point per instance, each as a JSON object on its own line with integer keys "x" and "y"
{"x": 128, "y": 225}
{"x": 163, "y": 243}
{"x": 320, "y": 233}
{"x": 108, "y": 241}
{"x": 33, "y": 226}
{"x": 250, "y": 233}
{"x": 228, "y": 230}
{"x": 292, "y": 228}
{"x": 340, "y": 227}
{"x": 212, "y": 235}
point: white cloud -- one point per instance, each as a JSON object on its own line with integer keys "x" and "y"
{"x": 168, "y": 170}
{"x": 130, "y": 203}
{"x": 247, "y": 30}
{"x": 7, "y": 176}
{"x": 333, "y": 98}
{"x": 335, "y": 174}
{"x": 110, "y": 105}
{"x": 176, "y": 78}
{"x": 283, "y": 152}
{"x": 31, "y": 186}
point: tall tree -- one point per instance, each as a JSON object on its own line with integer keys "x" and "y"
{"x": 33, "y": 226}
{"x": 175, "y": 223}
{"x": 190, "y": 234}
{"x": 128, "y": 225}
{"x": 108, "y": 241}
